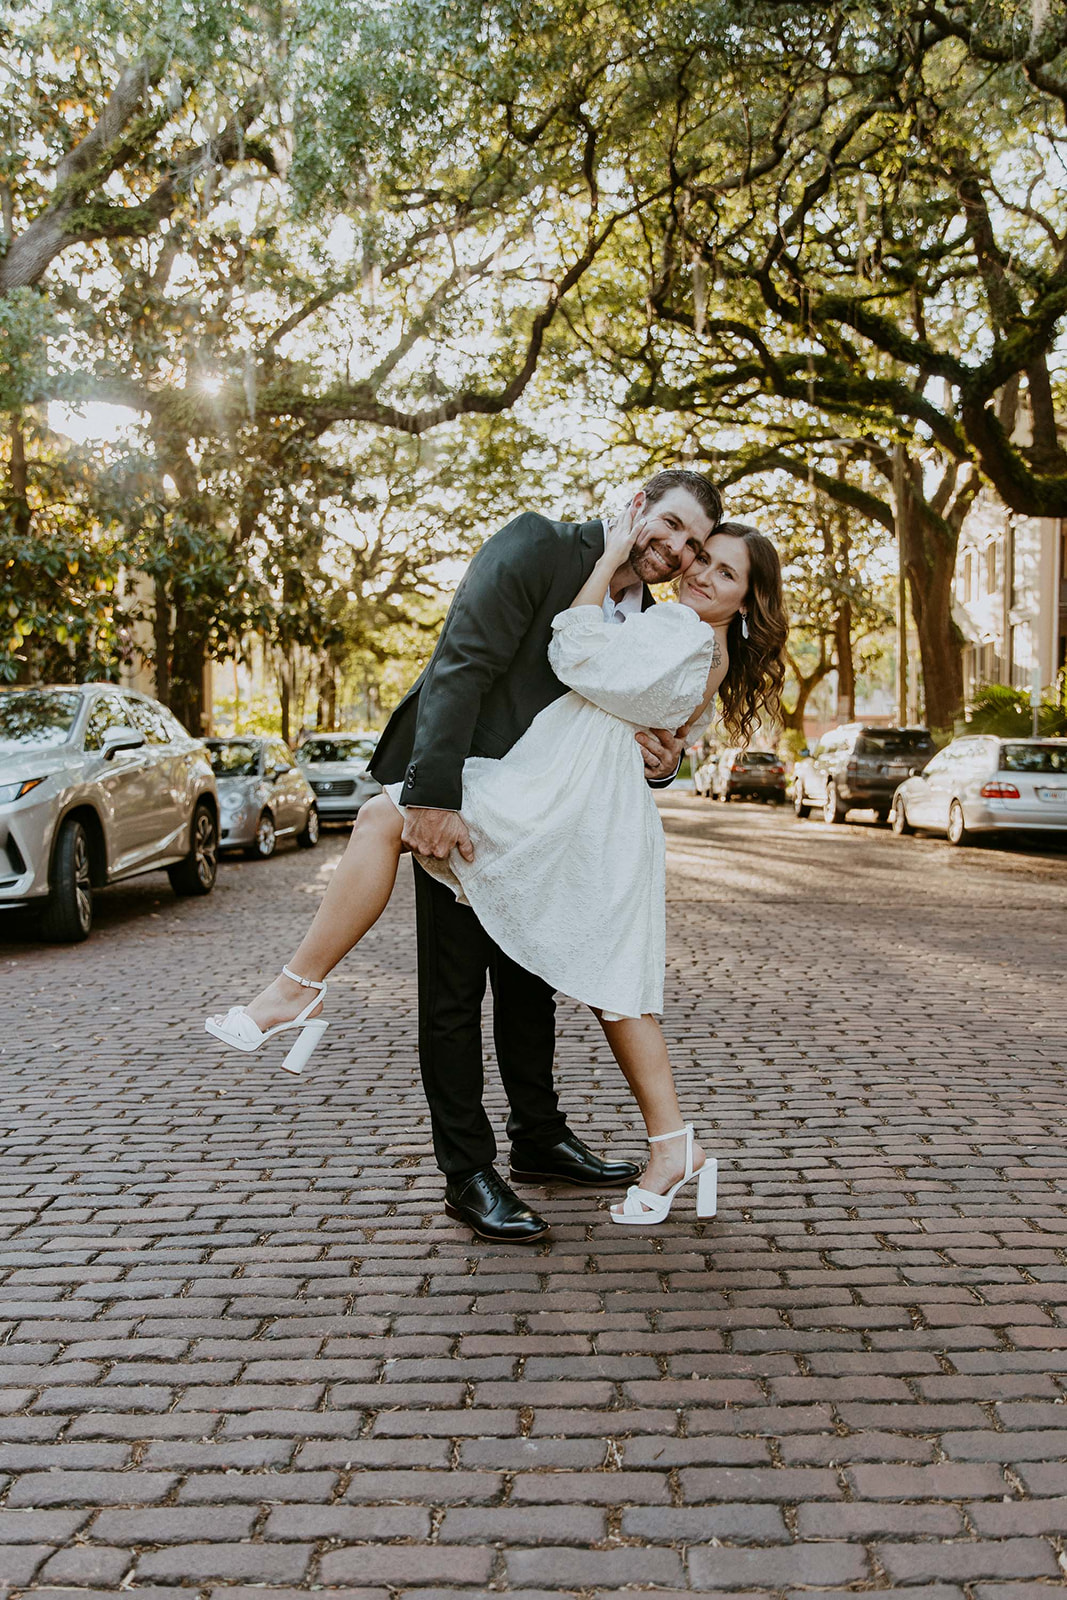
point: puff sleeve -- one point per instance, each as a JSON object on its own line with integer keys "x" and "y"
{"x": 651, "y": 670}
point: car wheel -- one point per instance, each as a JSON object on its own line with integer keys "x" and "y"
{"x": 899, "y": 818}
{"x": 197, "y": 873}
{"x": 957, "y": 824}
{"x": 833, "y": 810}
{"x": 68, "y": 913}
{"x": 309, "y": 838}
{"x": 800, "y": 805}
{"x": 265, "y": 842}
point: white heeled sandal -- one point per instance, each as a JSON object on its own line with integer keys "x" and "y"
{"x": 641, "y": 1205}
{"x": 238, "y": 1030}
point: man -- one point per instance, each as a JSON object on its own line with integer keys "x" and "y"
{"x": 486, "y": 681}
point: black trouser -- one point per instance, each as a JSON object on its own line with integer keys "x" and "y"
{"x": 455, "y": 954}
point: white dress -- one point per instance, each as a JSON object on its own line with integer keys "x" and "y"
{"x": 568, "y": 870}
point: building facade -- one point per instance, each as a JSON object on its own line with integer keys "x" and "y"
{"x": 1011, "y": 597}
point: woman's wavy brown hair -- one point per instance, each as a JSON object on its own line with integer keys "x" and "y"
{"x": 752, "y": 687}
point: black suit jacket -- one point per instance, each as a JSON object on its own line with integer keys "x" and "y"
{"x": 489, "y": 674}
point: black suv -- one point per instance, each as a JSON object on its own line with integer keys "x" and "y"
{"x": 857, "y": 767}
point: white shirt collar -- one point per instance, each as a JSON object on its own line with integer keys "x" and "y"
{"x": 628, "y": 603}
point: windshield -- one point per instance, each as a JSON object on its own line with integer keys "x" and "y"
{"x": 1034, "y": 758}
{"x": 36, "y": 719}
{"x": 757, "y": 758}
{"x": 322, "y": 750}
{"x": 234, "y": 760}
{"x": 893, "y": 741}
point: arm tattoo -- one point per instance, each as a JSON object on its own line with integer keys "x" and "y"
{"x": 716, "y": 654}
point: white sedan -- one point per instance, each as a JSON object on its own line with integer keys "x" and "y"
{"x": 984, "y": 784}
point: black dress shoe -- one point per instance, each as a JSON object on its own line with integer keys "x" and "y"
{"x": 485, "y": 1203}
{"x": 568, "y": 1160}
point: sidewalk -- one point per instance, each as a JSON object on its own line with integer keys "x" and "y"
{"x": 244, "y": 1353}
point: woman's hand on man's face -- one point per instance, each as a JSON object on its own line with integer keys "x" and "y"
{"x": 619, "y": 537}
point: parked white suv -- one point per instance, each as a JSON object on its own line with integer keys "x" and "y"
{"x": 98, "y": 784}
{"x": 335, "y": 765}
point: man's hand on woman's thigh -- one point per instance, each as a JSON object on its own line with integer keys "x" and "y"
{"x": 429, "y": 831}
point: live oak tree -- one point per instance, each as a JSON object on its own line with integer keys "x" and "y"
{"x": 116, "y": 119}
{"x": 893, "y": 268}
{"x": 117, "y": 115}
{"x": 443, "y": 161}
{"x": 372, "y": 218}
{"x": 775, "y": 219}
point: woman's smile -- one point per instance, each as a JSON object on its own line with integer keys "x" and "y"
{"x": 716, "y": 583}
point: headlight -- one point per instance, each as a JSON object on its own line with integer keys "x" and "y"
{"x": 15, "y": 791}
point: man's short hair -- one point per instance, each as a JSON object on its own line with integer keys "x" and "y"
{"x": 702, "y": 490}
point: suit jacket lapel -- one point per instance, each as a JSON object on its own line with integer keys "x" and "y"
{"x": 590, "y": 545}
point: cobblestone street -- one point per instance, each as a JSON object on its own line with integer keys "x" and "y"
{"x": 244, "y": 1352}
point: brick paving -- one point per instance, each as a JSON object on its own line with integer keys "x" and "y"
{"x": 243, "y": 1352}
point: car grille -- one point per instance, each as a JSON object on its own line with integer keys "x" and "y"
{"x": 334, "y": 786}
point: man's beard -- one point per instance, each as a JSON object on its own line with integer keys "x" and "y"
{"x": 652, "y": 566}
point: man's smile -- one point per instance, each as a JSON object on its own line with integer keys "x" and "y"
{"x": 664, "y": 559}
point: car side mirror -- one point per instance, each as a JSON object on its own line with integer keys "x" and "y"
{"x": 280, "y": 771}
{"x": 116, "y": 739}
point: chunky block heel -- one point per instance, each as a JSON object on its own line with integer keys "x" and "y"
{"x": 237, "y": 1030}
{"x": 307, "y": 1039}
{"x": 707, "y": 1188}
{"x": 643, "y": 1206}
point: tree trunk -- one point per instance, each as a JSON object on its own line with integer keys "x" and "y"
{"x": 21, "y": 518}
{"x": 326, "y": 711}
{"x": 19, "y": 480}
{"x": 286, "y": 696}
{"x": 1046, "y": 447}
{"x": 794, "y": 719}
{"x": 189, "y": 652}
{"x": 162, "y": 643}
{"x": 846, "y": 666}
{"x": 930, "y": 560}
{"x": 841, "y": 560}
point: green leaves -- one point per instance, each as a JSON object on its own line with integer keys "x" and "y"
{"x": 27, "y": 322}
{"x": 59, "y": 566}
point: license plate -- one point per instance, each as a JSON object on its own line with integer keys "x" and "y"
{"x": 1057, "y": 796}
{"x": 898, "y": 769}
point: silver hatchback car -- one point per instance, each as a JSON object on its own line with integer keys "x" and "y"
{"x": 335, "y": 764}
{"x": 983, "y": 784}
{"x": 98, "y": 784}
{"x": 263, "y": 796}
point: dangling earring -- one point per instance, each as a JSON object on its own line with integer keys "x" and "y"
{"x": 744, "y": 624}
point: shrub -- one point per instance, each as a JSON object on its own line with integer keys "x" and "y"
{"x": 1006, "y": 712}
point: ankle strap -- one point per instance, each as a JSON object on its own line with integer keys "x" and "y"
{"x": 658, "y": 1138}
{"x": 305, "y": 983}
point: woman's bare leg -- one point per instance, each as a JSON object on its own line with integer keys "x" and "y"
{"x": 357, "y": 895}
{"x": 638, "y": 1046}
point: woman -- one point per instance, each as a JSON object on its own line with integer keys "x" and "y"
{"x": 567, "y": 875}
